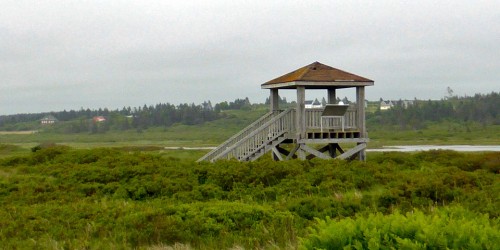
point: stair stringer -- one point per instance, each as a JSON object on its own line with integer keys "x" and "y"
{"x": 253, "y": 145}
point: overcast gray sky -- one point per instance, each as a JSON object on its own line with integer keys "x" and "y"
{"x": 57, "y": 55}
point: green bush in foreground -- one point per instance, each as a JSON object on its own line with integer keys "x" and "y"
{"x": 445, "y": 228}
{"x": 63, "y": 198}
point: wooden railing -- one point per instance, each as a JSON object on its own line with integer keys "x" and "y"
{"x": 313, "y": 119}
{"x": 255, "y": 137}
{"x": 259, "y": 138}
{"x": 277, "y": 125}
{"x": 210, "y": 156}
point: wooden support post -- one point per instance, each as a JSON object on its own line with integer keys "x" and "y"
{"x": 301, "y": 153}
{"x": 291, "y": 155}
{"x": 332, "y": 150}
{"x": 332, "y": 96}
{"x": 337, "y": 147}
{"x": 276, "y": 154}
{"x": 274, "y": 100}
{"x": 360, "y": 100}
{"x": 301, "y": 112}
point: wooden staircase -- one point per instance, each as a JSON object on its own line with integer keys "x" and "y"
{"x": 257, "y": 139}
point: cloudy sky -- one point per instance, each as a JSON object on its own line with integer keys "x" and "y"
{"x": 57, "y": 55}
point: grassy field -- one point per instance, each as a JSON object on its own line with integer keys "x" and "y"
{"x": 208, "y": 134}
{"x": 215, "y": 132}
{"x": 445, "y": 133}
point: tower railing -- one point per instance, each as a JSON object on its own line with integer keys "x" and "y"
{"x": 237, "y": 137}
{"x": 313, "y": 119}
{"x": 258, "y": 140}
{"x": 274, "y": 128}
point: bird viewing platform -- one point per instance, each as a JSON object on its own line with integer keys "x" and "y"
{"x": 299, "y": 132}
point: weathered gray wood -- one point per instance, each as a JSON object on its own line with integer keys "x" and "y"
{"x": 332, "y": 96}
{"x": 360, "y": 100}
{"x": 334, "y": 140}
{"x": 352, "y": 151}
{"x": 277, "y": 154}
{"x": 313, "y": 120}
{"x": 269, "y": 132}
{"x": 314, "y": 152}
{"x": 301, "y": 154}
{"x": 274, "y": 100}
{"x": 362, "y": 153}
{"x": 292, "y": 152}
{"x": 237, "y": 137}
{"x": 301, "y": 112}
{"x": 266, "y": 148}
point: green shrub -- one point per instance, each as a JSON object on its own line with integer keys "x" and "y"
{"x": 111, "y": 198}
{"x": 445, "y": 228}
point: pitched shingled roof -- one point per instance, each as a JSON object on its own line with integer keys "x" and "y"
{"x": 317, "y": 75}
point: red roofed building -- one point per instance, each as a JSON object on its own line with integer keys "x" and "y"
{"x": 99, "y": 119}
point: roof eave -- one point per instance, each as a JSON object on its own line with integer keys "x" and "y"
{"x": 341, "y": 84}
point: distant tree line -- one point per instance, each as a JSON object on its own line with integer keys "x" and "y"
{"x": 237, "y": 104}
{"x": 481, "y": 108}
{"x": 162, "y": 114}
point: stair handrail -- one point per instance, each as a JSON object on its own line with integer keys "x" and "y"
{"x": 238, "y": 136}
{"x": 263, "y": 127}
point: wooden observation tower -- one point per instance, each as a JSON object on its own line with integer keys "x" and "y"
{"x": 304, "y": 133}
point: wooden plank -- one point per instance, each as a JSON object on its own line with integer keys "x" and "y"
{"x": 276, "y": 153}
{"x": 352, "y": 151}
{"x": 301, "y": 154}
{"x": 292, "y": 153}
{"x": 337, "y": 147}
{"x": 334, "y": 140}
{"x": 314, "y": 152}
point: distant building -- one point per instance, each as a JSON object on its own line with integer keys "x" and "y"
{"x": 313, "y": 104}
{"x": 385, "y": 105}
{"x": 99, "y": 119}
{"x": 49, "y": 119}
{"x": 406, "y": 103}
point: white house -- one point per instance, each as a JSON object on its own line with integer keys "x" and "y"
{"x": 49, "y": 119}
{"x": 385, "y": 105}
{"x": 313, "y": 104}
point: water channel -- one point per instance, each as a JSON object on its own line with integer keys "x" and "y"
{"x": 414, "y": 148}
{"x": 401, "y": 148}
